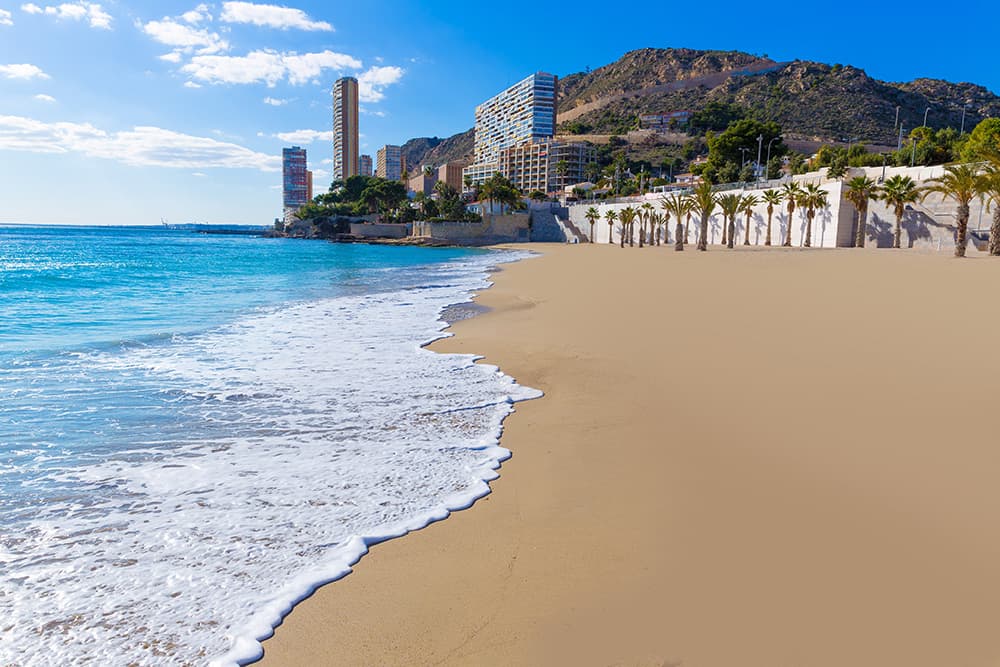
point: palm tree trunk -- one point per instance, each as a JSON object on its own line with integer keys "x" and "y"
{"x": 788, "y": 228}
{"x": 746, "y": 238}
{"x": 859, "y": 238}
{"x": 995, "y": 233}
{"x": 898, "y": 233}
{"x": 642, "y": 233}
{"x": 732, "y": 231}
{"x": 679, "y": 241}
{"x": 591, "y": 232}
{"x": 963, "y": 229}
{"x": 611, "y": 233}
{"x": 631, "y": 234}
{"x": 725, "y": 226}
{"x": 622, "y": 236}
{"x": 809, "y": 228}
{"x": 687, "y": 228}
{"x": 703, "y": 236}
{"x": 770, "y": 214}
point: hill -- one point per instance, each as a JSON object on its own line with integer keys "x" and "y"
{"x": 435, "y": 151}
{"x": 811, "y": 100}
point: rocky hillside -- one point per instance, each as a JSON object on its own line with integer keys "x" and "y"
{"x": 814, "y": 100}
{"x": 434, "y": 151}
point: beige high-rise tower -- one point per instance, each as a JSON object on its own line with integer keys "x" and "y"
{"x": 345, "y": 128}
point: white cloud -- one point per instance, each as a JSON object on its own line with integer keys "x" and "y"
{"x": 78, "y": 11}
{"x": 275, "y": 102}
{"x": 371, "y": 84}
{"x": 371, "y": 112}
{"x": 172, "y": 57}
{"x": 199, "y": 174}
{"x": 42, "y": 97}
{"x": 5, "y": 17}
{"x": 268, "y": 67}
{"x": 271, "y": 16}
{"x": 22, "y": 71}
{"x": 197, "y": 15}
{"x": 305, "y": 136}
{"x": 140, "y": 146}
{"x": 319, "y": 174}
{"x": 191, "y": 84}
{"x": 326, "y": 161}
{"x": 183, "y": 37}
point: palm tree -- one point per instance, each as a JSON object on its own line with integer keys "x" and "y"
{"x": 687, "y": 222}
{"x": 592, "y": 215}
{"x": 860, "y": 191}
{"x": 773, "y": 198}
{"x": 791, "y": 192}
{"x": 704, "y": 203}
{"x": 812, "y": 198}
{"x": 646, "y": 217}
{"x": 626, "y": 216}
{"x": 677, "y": 205}
{"x": 748, "y": 204}
{"x": 961, "y": 183}
{"x": 898, "y": 191}
{"x": 989, "y": 189}
{"x": 730, "y": 205}
{"x": 610, "y": 215}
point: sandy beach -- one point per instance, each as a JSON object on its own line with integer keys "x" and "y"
{"x": 754, "y": 458}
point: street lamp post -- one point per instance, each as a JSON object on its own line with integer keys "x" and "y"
{"x": 964, "y": 107}
{"x": 743, "y": 153}
{"x": 896, "y": 124}
{"x": 767, "y": 165}
{"x": 913, "y": 154}
{"x": 882, "y": 180}
{"x": 925, "y": 115}
{"x": 760, "y": 145}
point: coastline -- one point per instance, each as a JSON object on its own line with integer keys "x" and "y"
{"x": 763, "y": 470}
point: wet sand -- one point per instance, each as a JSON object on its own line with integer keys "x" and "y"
{"x": 749, "y": 458}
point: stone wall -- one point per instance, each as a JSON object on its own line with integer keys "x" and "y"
{"x": 380, "y": 230}
{"x": 510, "y": 228}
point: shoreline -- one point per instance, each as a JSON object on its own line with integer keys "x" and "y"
{"x": 700, "y": 486}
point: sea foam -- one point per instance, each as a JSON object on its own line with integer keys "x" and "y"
{"x": 264, "y": 457}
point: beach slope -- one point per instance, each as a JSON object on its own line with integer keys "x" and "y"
{"x": 742, "y": 458}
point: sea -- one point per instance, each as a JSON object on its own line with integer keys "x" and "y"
{"x": 197, "y": 430}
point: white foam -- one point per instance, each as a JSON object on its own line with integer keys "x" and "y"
{"x": 330, "y": 428}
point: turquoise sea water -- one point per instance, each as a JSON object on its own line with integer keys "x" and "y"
{"x": 195, "y": 430}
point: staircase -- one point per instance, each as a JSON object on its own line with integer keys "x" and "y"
{"x": 547, "y": 228}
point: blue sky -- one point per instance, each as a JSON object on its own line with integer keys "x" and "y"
{"x": 123, "y": 112}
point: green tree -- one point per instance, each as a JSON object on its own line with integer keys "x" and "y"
{"x": 714, "y": 116}
{"x": 677, "y": 205}
{"x": 704, "y": 204}
{"x": 498, "y": 190}
{"x": 813, "y": 197}
{"x": 748, "y": 204}
{"x": 729, "y": 204}
{"x": 860, "y": 191}
{"x": 989, "y": 189}
{"x": 724, "y": 149}
{"x": 982, "y": 141}
{"x": 773, "y": 198}
{"x": 961, "y": 183}
{"x": 898, "y": 191}
{"x": 626, "y": 216}
{"x": 592, "y": 215}
{"x": 790, "y": 192}
{"x": 646, "y": 218}
{"x": 610, "y": 215}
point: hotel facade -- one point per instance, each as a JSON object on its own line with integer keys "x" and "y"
{"x": 345, "y": 128}
{"x": 365, "y": 165}
{"x": 389, "y": 163}
{"x": 514, "y": 137}
{"x": 295, "y": 181}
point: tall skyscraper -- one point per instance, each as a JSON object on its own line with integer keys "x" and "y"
{"x": 524, "y": 113}
{"x": 295, "y": 180}
{"x": 345, "y": 128}
{"x": 389, "y": 163}
{"x": 365, "y": 163}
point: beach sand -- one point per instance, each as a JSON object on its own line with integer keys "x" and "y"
{"x": 751, "y": 458}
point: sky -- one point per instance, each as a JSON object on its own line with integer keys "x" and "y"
{"x": 130, "y": 111}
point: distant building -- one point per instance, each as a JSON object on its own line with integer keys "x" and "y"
{"x": 451, "y": 173}
{"x": 547, "y": 166}
{"x": 389, "y": 163}
{"x": 423, "y": 182}
{"x": 365, "y": 162}
{"x": 665, "y": 122}
{"x": 524, "y": 113}
{"x": 295, "y": 181}
{"x": 345, "y": 128}
{"x": 309, "y": 185}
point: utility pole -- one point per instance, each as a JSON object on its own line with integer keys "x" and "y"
{"x": 899, "y": 144}
{"x": 964, "y": 107}
{"x": 896, "y": 124}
